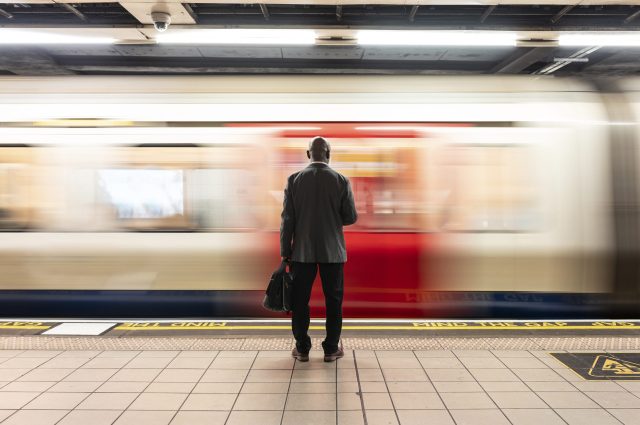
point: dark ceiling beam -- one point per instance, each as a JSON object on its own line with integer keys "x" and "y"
{"x": 339, "y": 13}
{"x": 148, "y": 70}
{"x": 412, "y": 14}
{"x": 632, "y": 17}
{"x": 73, "y": 10}
{"x": 6, "y": 14}
{"x": 190, "y": 11}
{"x": 521, "y": 60}
{"x": 265, "y": 11}
{"x": 21, "y": 61}
{"x": 560, "y": 14}
{"x": 610, "y": 62}
{"x": 488, "y": 12}
{"x": 560, "y": 63}
{"x": 600, "y": 58}
{"x": 432, "y": 64}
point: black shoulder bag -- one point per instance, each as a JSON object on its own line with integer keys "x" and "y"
{"x": 278, "y": 294}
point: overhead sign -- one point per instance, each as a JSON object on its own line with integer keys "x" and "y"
{"x": 602, "y": 366}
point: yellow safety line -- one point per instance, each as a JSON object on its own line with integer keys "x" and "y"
{"x": 23, "y": 327}
{"x": 375, "y": 328}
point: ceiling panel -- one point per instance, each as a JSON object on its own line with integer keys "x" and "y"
{"x": 158, "y": 51}
{"x": 317, "y": 52}
{"x": 83, "y": 50}
{"x": 404, "y": 54}
{"x": 142, "y": 11}
{"x": 240, "y": 52}
{"x": 473, "y": 55}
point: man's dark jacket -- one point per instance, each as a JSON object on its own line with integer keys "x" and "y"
{"x": 318, "y": 201}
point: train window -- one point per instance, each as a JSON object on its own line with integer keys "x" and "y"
{"x": 144, "y": 193}
{"x": 188, "y": 188}
{"x": 223, "y": 198}
{"x": 384, "y": 175}
{"x": 486, "y": 188}
{"x": 16, "y": 188}
{"x": 384, "y": 181}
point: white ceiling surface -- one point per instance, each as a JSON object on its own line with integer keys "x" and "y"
{"x": 142, "y": 11}
{"x": 390, "y": 2}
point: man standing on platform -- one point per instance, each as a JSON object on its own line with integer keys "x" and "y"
{"x": 318, "y": 201}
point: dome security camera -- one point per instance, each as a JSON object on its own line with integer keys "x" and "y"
{"x": 161, "y": 20}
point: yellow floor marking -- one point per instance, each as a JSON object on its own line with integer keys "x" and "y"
{"x": 370, "y": 328}
{"x": 610, "y": 367}
{"x": 24, "y": 327}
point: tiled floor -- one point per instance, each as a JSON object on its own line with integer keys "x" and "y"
{"x": 372, "y": 387}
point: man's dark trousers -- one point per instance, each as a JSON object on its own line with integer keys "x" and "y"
{"x": 332, "y": 278}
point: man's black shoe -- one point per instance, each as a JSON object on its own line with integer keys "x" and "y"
{"x": 332, "y": 357}
{"x": 302, "y": 357}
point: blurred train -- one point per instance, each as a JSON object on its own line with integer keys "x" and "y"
{"x": 477, "y": 196}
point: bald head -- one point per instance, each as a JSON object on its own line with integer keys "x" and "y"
{"x": 319, "y": 150}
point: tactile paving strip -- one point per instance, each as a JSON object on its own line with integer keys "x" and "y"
{"x": 589, "y": 343}
{"x": 277, "y": 343}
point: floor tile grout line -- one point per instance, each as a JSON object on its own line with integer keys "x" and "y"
{"x": 536, "y": 392}
{"x": 244, "y": 381}
{"x": 434, "y": 387}
{"x": 42, "y": 392}
{"x": 286, "y": 399}
{"x": 480, "y": 385}
{"x": 132, "y": 401}
{"x": 598, "y": 404}
{"x": 107, "y": 380}
{"x": 121, "y": 368}
{"x": 88, "y": 395}
{"x": 531, "y": 389}
{"x": 20, "y": 376}
{"x": 364, "y": 411}
{"x": 555, "y": 410}
{"x": 194, "y": 385}
{"x": 337, "y": 391}
{"x": 386, "y": 385}
{"x": 30, "y": 370}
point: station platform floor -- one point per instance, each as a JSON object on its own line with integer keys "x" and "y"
{"x": 472, "y": 373}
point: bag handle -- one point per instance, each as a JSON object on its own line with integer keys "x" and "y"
{"x": 283, "y": 266}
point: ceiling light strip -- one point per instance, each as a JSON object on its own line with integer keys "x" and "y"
{"x": 238, "y": 36}
{"x": 436, "y": 38}
{"x": 28, "y": 36}
{"x": 284, "y": 37}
